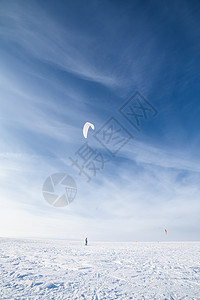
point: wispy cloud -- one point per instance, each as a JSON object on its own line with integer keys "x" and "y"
{"x": 52, "y": 44}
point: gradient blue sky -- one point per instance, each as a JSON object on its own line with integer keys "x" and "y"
{"x": 63, "y": 63}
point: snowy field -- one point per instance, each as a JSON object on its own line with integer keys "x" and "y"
{"x": 43, "y": 269}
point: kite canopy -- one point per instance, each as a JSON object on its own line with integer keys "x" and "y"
{"x": 86, "y": 127}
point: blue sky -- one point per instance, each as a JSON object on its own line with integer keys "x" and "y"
{"x": 64, "y": 63}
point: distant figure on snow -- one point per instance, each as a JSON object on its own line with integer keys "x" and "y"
{"x": 86, "y": 242}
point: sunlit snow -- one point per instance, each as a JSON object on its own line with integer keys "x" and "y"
{"x": 52, "y": 269}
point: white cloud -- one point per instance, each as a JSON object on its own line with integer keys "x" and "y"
{"x": 52, "y": 44}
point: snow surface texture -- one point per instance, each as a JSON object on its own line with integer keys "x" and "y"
{"x": 43, "y": 269}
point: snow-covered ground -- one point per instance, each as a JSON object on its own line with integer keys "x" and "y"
{"x": 43, "y": 269}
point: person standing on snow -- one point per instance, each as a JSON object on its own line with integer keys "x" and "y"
{"x": 86, "y": 242}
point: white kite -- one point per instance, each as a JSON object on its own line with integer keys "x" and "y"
{"x": 86, "y": 128}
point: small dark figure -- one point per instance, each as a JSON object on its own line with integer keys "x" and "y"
{"x": 86, "y": 242}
